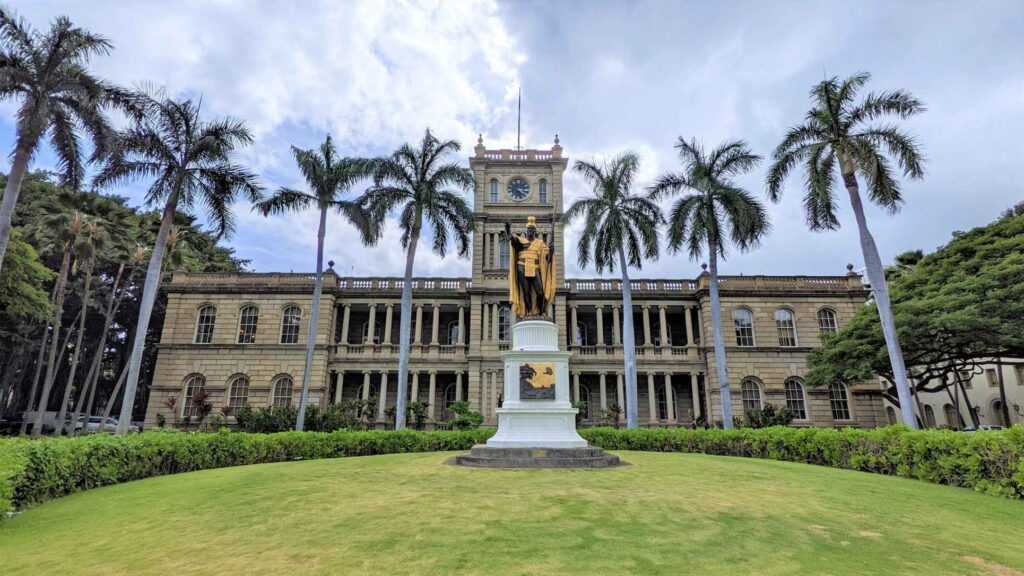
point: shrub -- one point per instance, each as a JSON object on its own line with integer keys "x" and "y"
{"x": 769, "y": 416}
{"x": 465, "y": 417}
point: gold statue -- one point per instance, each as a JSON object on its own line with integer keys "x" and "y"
{"x": 531, "y": 278}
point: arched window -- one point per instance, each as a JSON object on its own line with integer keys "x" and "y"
{"x": 205, "y": 323}
{"x": 290, "y": 325}
{"x": 997, "y": 414}
{"x": 503, "y": 255}
{"x": 827, "y": 324}
{"x": 449, "y": 397}
{"x": 840, "y": 400}
{"x": 929, "y": 416}
{"x": 786, "y": 327}
{"x": 890, "y": 414}
{"x": 750, "y": 391}
{"x": 542, "y": 191}
{"x": 195, "y": 387}
{"x": 282, "y": 393}
{"x": 248, "y": 316}
{"x": 504, "y": 322}
{"x": 238, "y": 391}
{"x": 952, "y": 419}
{"x": 795, "y": 401}
{"x": 494, "y": 190}
{"x": 743, "y": 319}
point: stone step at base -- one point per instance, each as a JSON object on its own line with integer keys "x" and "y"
{"x": 485, "y": 457}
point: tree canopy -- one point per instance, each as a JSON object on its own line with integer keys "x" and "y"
{"x": 955, "y": 308}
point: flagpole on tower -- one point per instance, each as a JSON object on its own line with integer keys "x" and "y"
{"x": 519, "y": 117}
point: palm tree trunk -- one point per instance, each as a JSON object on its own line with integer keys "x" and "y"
{"x": 149, "y": 293}
{"x": 10, "y": 201}
{"x": 405, "y": 328}
{"x": 628, "y": 342}
{"x": 40, "y": 360}
{"x": 58, "y": 312}
{"x": 876, "y": 276}
{"x": 314, "y": 319}
{"x": 89, "y": 391}
{"x": 1002, "y": 393}
{"x": 113, "y": 394}
{"x": 724, "y": 391}
{"x": 75, "y": 357}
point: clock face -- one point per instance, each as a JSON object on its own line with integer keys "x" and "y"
{"x": 518, "y": 189}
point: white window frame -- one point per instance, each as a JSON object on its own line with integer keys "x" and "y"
{"x": 542, "y": 191}
{"x": 845, "y": 399}
{"x": 233, "y": 396}
{"x": 285, "y": 325}
{"x": 743, "y": 394}
{"x": 781, "y": 329}
{"x": 493, "y": 190}
{"x": 199, "y": 325}
{"x": 803, "y": 398}
{"x": 189, "y": 389}
{"x": 251, "y": 337}
{"x": 824, "y": 329}
{"x": 274, "y": 396}
{"x": 737, "y": 328}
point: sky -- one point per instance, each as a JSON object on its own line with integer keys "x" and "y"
{"x": 605, "y": 76}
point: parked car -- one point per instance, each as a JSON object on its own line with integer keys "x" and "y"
{"x": 93, "y": 424}
{"x": 983, "y": 428}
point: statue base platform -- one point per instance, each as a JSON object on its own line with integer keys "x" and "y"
{"x": 487, "y": 457}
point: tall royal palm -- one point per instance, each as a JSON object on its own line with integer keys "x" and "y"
{"x": 56, "y": 94}
{"x": 329, "y": 177}
{"x": 839, "y": 132}
{"x": 713, "y": 211}
{"x": 426, "y": 190}
{"x": 189, "y": 162}
{"x": 619, "y": 228}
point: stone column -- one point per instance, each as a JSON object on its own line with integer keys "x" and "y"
{"x": 695, "y": 394}
{"x": 371, "y": 326}
{"x": 485, "y": 323}
{"x": 670, "y": 405}
{"x": 663, "y": 325}
{"x": 431, "y": 389}
{"x": 386, "y": 337}
{"x": 497, "y": 251}
{"x": 435, "y": 323}
{"x": 419, "y": 324}
{"x": 485, "y": 263}
{"x": 576, "y": 386}
{"x": 495, "y": 321}
{"x": 688, "y": 315}
{"x": 573, "y": 330}
{"x": 341, "y": 383}
{"x": 415, "y": 395}
{"x": 344, "y": 323}
{"x": 652, "y": 399}
{"x": 383, "y": 395}
{"x": 600, "y": 325}
{"x": 620, "y": 396}
{"x": 604, "y": 393}
{"x": 462, "y": 325}
{"x": 616, "y": 331}
{"x": 647, "y": 324}
{"x": 458, "y": 386}
{"x": 366, "y": 385}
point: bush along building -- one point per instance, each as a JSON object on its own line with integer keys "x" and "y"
{"x": 233, "y": 340}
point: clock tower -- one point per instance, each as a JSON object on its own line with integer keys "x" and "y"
{"x": 512, "y": 185}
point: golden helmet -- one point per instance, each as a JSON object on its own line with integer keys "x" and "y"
{"x": 531, "y": 222}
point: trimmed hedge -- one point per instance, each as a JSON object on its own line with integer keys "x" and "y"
{"x": 34, "y": 471}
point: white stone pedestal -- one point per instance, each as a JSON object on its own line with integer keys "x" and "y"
{"x": 536, "y": 423}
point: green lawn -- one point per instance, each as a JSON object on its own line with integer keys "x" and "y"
{"x": 411, "y": 514}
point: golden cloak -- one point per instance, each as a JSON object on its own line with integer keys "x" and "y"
{"x": 538, "y": 259}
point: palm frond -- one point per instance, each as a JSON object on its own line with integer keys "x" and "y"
{"x": 284, "y": 200}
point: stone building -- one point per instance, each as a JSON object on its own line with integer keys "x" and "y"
{"x": 242, "y": 336}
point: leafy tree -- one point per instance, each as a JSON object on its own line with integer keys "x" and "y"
{"x": 330, "y": 177}
{"x": 189, "y": 162}
{"x": 839, "y": 135}
{"x": 22, "y": 296}
{"x": 621, "y": 228}
{"x": 56, "y": 94}
{"x": 425, "y": 189}
{"x": 714, "y": 211}
{"x": 957, "y": 308}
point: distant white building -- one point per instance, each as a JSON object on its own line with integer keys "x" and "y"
{"x": 939, "y": 409}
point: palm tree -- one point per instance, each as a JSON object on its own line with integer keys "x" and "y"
{"x": 330, "y": 177}
{"x": 90, "y": 242}
{"x": 68, "y": 228}
{"x": 618, "y": 227}
{"x": 838, "y": 130}
{"x": 189, "y": 160}
{"x": 57, "y": 95}
{"x": 419, "y": 184}
{"x": 714, "y": 211}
